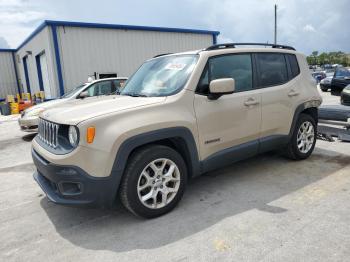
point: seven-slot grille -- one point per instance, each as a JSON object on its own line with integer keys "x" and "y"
{"x": 48, "y": 132}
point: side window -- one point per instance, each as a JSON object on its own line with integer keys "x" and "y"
{"x": 91, "y": 90}
{"x": 203, "y": 84}
{"x": 100, "y": 88}
{"x": 293, "y": 62}
{"x": 118, "y": 84}
{"x": 272, "y": 69}
{"x": 237, "y": 66}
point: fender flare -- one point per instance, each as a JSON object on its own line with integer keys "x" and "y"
{"x": 300, "y": 108}
{"x": 136, "y": 141}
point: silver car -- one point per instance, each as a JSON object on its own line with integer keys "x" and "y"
{"x": 29, "y": 118}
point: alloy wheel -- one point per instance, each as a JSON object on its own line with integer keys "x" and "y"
{"x": 305, "y": 137}
{"x": 158, "y": 183}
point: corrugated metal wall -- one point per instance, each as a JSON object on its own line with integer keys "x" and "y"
{"x": 8, "y": 85}
{"x": 37, "y": 45}
{"x": 84, "y": 51}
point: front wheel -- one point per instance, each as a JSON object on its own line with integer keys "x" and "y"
{"x": 303, "y": 139}
{"x": 154, "y": 181}
{"x": 324, "y": 89}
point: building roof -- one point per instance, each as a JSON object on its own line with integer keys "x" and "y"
{"x": 109, "y": 26}
{"x": 7, "y": 50}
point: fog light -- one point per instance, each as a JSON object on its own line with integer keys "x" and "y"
{"x": 70, "y": 188}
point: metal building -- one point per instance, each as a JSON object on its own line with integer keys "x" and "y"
{"x": 8, "y": 75}
{"x": 60, "y": 55}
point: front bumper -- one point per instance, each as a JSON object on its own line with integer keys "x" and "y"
{"x": 28, "y": 124}
{"x": 72, "y": 186}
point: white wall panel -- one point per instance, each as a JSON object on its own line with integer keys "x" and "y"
{"x": 37, "y": 45}
{"x": 84, "y": 51}
{"x": 8, "y": 85}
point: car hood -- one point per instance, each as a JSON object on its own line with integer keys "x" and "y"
{"x": 75, "y": 111}
{"x": 47, "y": 105}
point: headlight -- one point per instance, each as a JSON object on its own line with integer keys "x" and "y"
{"x": 73, "y": 136}
{"x": 34, "y": 112}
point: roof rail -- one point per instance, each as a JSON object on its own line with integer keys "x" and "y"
{"x": 162, "y": 55}
{"x": 233, "y": 45}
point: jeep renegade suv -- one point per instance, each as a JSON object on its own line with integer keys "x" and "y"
{"x": 179, "y": 116}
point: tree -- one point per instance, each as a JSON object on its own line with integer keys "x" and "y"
{"x": 337, "y": 57}
{"x": 314, "y": 54}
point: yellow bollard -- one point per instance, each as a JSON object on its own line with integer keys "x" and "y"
{"x": 14, "y": 108}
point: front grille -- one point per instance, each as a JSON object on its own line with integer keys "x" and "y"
{"x": 48, "y": 132}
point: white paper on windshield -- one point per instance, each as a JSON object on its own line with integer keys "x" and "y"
{"x": 175, "y": 66}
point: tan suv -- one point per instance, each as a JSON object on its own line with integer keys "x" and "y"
{"x": 178, "y": 116}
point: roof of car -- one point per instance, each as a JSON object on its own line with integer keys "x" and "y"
{"x": 109, "y": 78}
{"x": 237, "y": 47}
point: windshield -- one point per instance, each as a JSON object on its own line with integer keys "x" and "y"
{"x": 71, "y": 92}
{"x": 162, "y": 76}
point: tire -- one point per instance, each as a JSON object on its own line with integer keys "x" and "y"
{"x": 293, "y": 150}
{"x": 156, "y": 173}
{"x": 324, "y": 89}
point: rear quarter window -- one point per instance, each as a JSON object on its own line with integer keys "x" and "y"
{"x": 294, "y": 66}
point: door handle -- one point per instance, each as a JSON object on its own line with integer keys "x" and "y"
{"x": 293, "y": 93}
{"x": 251, "y": 102}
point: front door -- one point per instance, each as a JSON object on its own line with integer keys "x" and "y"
{"x": 230, "y": 124}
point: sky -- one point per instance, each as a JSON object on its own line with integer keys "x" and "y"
{"x": 308, "y": 25}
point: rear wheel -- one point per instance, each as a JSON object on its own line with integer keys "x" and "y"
{"x": 303, "y": 139}
{"x": 154, "y": 181}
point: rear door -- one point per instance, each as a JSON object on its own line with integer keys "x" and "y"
{"x": 280, "y": 93}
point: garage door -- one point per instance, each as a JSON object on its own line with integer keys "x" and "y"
{"x": 45, "y": 76}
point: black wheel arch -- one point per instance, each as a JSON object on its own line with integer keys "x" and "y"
{"x": 179, "y": 138}
{"x": 309, "y": 108}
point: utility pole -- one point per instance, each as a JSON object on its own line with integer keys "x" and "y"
{"x": 275, "y": 25}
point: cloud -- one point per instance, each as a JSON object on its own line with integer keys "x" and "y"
{"x": 3, "y": 43}
{"x": 307, "y": 25}
{"x": 309, "y": 28}
{"x": 22, "y": 17}
{"x": 19, "y": 18}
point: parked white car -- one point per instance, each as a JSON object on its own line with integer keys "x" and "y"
{"x": 29, "y": 118}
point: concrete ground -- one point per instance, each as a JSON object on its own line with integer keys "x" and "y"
{"x": 263, "y": 209}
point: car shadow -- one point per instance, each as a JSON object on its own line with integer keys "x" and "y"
{"x": 247, "y": 185}
{"x": 29, "y": 137}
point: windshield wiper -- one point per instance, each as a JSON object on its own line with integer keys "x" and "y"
{"x": 134, "y": 95}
